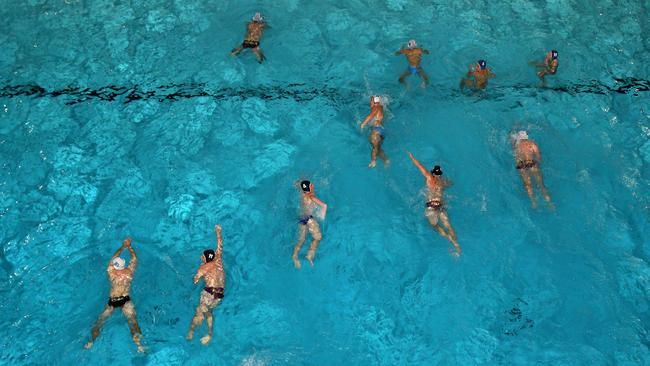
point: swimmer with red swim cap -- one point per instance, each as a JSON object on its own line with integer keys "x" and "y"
{"x": 413, "y": 55}
{"x": 211, "y": 270}
{"x": 120, "y": 278}
{"x": 308, "y": 204}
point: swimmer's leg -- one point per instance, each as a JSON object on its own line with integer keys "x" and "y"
{"x": 540, "y": 184}
{"x": 129, "y": 311}
{"x": 525, "y": 177}
{"x": 198, "y": 318}
{"x": 382, "y": 154}
{"x": 108, "y": 310}
{"x": 375, "y": 141}
{"x": 235, "y": 51}
{"x": 450, "y": 231}
{"x": 316, "y": 235}
{"x": 208, "y": 319}
{"x": 302, "y": 229}
{"x": 423, "y": 75}
{"x": 258, "y": 53}
{"x": 402, "y": 78}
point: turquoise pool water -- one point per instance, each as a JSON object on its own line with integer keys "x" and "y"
{"x": 129, "y": 118}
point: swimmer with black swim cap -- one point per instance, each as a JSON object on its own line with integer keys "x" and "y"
{"x": 377, "y": 133}
{"x": 549, "y": 66}
{"x": 527, "y": 162}
{"x": 120, "y": 278}
{"x": 477, "y": 76}
{"x": 307, "y": 221}
{"x": 434, "y": 208}
{"x": 211, "y": 270}
{"x": 413, "y": 55}
{"x": 254, "y": 31}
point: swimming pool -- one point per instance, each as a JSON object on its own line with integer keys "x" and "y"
{"x": 129, "y": 118}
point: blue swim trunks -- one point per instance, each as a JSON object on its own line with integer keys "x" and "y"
{"x": 379, "y": 129}
{"x": 413, "y": 69}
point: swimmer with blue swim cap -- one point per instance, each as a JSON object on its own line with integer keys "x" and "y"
{"x": 307, "y": 222}
{"x": 376, "y": 136}
{"x": 477, "y": 76}
{"x": 413, "y": 55}
{"x": 211, "y": 270}
{"x": 527, "y": 162}
{"x": 434, "y": 208}
{"x": 254, "y": 31}
{"x": 120, "y": 277}
{"x": 549, "y": 66}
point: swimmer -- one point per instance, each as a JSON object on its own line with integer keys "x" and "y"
{"x": 549, "y": 66}
{"x": 376, "y": 136}
{"x": 477, "y": 76}
{"x": 308, "y": 201}
{"x": 527, "y": 161}
{"x": 120, "y": 278}
{"x": 254, "y": 30}
{"x": 211, "y": 269}
{"x": 434, "y": 209}
{"x": 413, "y": 55}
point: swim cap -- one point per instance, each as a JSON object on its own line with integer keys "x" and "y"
{"x": 118, "y": 263}
{"x": 257, "y": 17}
{"x": 482, "y": 64}
{"x": 554, "y": 54}
{"x": 305, "y": 185}
{"x": 412, "y": 44}
{"x": 521, "y": 135}
{"x": 208, "y": 255}
{"x": 436, "y": 170}
{"x": 376, "y": 99}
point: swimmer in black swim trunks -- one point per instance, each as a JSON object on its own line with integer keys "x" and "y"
{"x": 527, "y": 159}
{"x": 434, "y": 209}
{"x": 211, "y": 270}
{"x": 254, "y": 31}
{"x": 308, "y": 201}
{"x": 120, "y": 278}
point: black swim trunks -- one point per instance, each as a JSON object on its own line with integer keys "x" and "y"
{"x": 525, "y": 164}
{"x": 119, "y": 301}
{"x": 305, "y": 220}
{"x": 434, "y": 204}
{"x": 216, "y": 292}
{"x": 250, "y": 44}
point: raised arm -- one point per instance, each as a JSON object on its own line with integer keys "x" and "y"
{"x": 419, "y": 165}
{"x": 134, "y": 258}
{"x": 217, "y": 231}
{"x": 426, "y": 52}
{"x": 401, "y": 51}
{"x": 118, "y": 252}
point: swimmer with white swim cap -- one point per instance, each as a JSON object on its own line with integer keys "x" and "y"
{"x": 254, "y": 31}
{"x": 211, "y": 270}
{"x": 413, "y": 55}
{"x": 477, "y": 76}
{"x": 377, "y": 132}
{"x": 308, "y": 203}
{"x": 120, "y": 278}
{"x": 434, "y": 210}
{"x": 527, "y": 161}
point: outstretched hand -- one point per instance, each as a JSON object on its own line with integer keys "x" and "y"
{"x": 217, "y": 229}
{"x": 127, "y": 242}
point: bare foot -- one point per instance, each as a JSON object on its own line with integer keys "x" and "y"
{"x": 387, "y": 163}
{"x": 372, "y": 164}
{"x": 205, "y": 340}
{"x": 140, "y": 349}
{"x": 310, "y": 257}
{"x": 296, "y": 261}
{"x": 190, "y": 335}
{"x": 88, "y": 345}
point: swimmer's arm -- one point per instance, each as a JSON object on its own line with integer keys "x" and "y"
{"x": 426, "y": 52}
{"x": 134, "y": 258}
{"x": 118, "y": 252}
{"x": 368, "y": 119}
{"x": 401, "y": 51}
{"x": 422, "y": 169}
{"x": 217, "y": 230}
{"x": 321, "y": 204}
{"x": 198, "y": 275}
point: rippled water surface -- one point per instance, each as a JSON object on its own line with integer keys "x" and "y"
{"x": 129, "y": 118}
